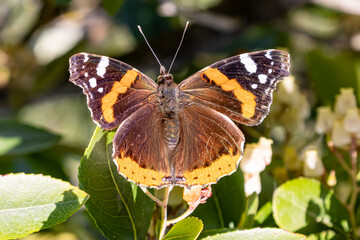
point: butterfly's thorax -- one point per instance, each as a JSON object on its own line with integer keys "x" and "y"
{"x": 168, "y": 95}
{"x": 168, "y": 99}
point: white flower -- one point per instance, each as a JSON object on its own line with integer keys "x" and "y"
{"x": 292, "y": 120}
{"x": 286, "y": 91}
{"x": 346, "y": 99}
{"x": 324, "y": 120}
{"x": 256, "y": 156}
{"x": 339, "y": 136}
{"x": 252, "y": 183}
{"x": 313, "y": 166}
{"x": 278, "y": 133}
{"x": 352, "y": 120}
{"x": 291, "y": 100}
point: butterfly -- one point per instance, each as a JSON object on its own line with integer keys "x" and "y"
{"x": 179, "y": 134}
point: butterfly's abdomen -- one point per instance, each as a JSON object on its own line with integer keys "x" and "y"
{"x": 171, "y": 129}
{"x": 168, "y": 100}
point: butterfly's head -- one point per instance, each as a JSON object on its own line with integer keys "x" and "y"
{"x": 164, "y": 76}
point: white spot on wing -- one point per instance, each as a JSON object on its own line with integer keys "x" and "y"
{"x": 242, "y": 145}
{"x": 86, "y": 58}
{"x": 249, "y": 64}
{"x": 83, "y": 67}
{"x": 272, "y": 63}
{"x": 86, "y": 74}
{"x": 100, "y": 90}
{"x": 92, "y": 82}
{"x": 262, "y": 78}
{"x": 254, "y": 86}
{"x": 101, "y": 67}
{"x": 270, "y": 70}
{"x": 268, "y": 55}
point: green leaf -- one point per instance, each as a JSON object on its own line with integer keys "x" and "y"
{"x": 264, "y": 216}
{"x": 251, "y": 208}
{"x": 225, "y": 206}
{"x": 113, "y": 206}
{"x": 112, "y": 6}
{"x": 17, "y": 138}
{"x": 29, "y": 203}
{"x": 187, "y": 229}
{"x": 62, "y": 2}
{"x": 305, "y": 205}
{"x": 330, "y": 72}
{"x": 258, "y": 234}
{"x": 211, "y": 232}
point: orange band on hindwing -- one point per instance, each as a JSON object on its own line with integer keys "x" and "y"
{"x": 109, "y": 100}
{"x": 246, "y": 98}
{"x": 224, "y": 165}
{"x": 132, "y": 171}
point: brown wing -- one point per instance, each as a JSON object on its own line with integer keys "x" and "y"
{"x": 210, "y": 146}
{"x": 140, "y": 152}
{"x": 241, "y": 86}
{"x": 114, "y": 89}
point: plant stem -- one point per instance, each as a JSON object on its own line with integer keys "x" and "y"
{"x": 164, "y": 212}
{"x": 351, "y": 207}
{"x": 352, "y": 171}
{"x": 339, "y": 157}
{"x": 181, "y": 217}
{"x": 152, "y": 197}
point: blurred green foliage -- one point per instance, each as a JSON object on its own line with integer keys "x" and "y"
{"x": 44, "y": 123}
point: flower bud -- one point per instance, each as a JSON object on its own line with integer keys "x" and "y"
{"x": 252, "y": 183}
{"x": 352, "y": 120}
{"x": 324, "y": 120}
{"x": 331, "y": 179}
{"x": 286, "y": 90}
{"x": 196, "y": 195}
{"x": 339, "y": 136}
{"x": 256, "y": 156}
{"x": 313, "y": 166}
{"x": 346, "y": 99}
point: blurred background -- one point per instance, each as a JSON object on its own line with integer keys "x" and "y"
{"x": 37, "y": 101}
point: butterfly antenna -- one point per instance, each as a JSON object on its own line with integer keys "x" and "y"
{"x": 182, "y": 38}
{"x": 149, "y": 45}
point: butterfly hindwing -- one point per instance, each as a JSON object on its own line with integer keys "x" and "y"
{"x": 209, "y": 146}
{"x": 241, "y": 86}
{"x": 140, "y": 152}
{"x": 114, "y": 89}
{"x": 216, "y": 146}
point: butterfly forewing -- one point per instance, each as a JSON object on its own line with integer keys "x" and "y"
{"x": 241, "y": 86}
{"x": 114, "y": 89}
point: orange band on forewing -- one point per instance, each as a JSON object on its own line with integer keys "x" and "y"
{"x": 131, "y": 170}
{"x": 109, "y": 100}
{"x": 246, "y": 98}
{"x": 224, "y": 165}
